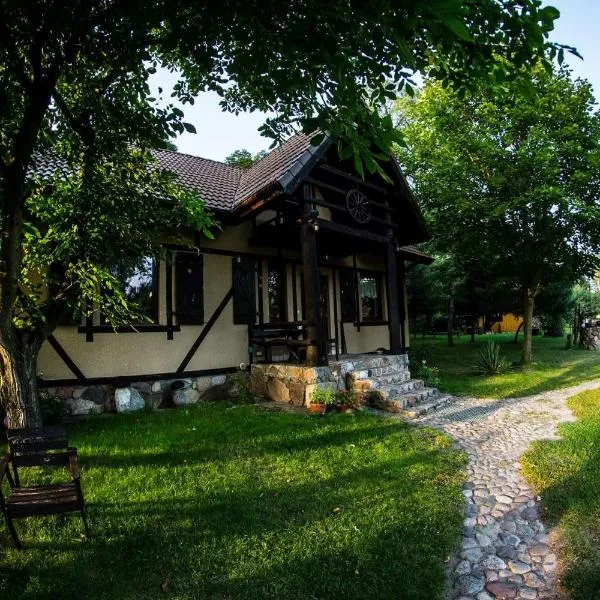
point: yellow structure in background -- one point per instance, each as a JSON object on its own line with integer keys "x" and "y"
{"x": 509, "y": 323}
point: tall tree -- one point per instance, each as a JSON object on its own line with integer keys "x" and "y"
{"x": 74, "y": 77}
{"x": 243, "y": 158}
{"x": 511, "y": 174}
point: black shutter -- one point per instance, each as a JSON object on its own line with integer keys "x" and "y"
{"x": 189, "y": 288}
{"x": 244, "y": 291}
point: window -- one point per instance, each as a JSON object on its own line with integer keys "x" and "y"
{"x": 276, "y": 291}
{"x": 370, "y": 298}
{"x": 140, "y": 286}
{"x": 189, "y": 288}
{"x": 348, "y": 295}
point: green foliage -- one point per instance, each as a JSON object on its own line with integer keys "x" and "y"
{"x": 566, "y": 474}
{"x": 324, "y": 395}
{"x": 241, "y": 388}
{"x": 509, "y": 180}
{"x": 51, "y": 408}
{"x": 351, "y": 398}
{"x": 264, "y": 486}
{"x": 490, "y": 360}
{"x": 244, "y": 158}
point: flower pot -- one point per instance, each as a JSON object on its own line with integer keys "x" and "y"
{"x": 343, "y": 407}
{"x": 318, "y": 409}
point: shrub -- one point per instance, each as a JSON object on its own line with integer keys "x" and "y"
{"x": 417, "y": 356}
{"x": 351, "y": 398}
{"x": 490, "y": 361}
{"x": 50, "y": 408}
{"x": 429, "y": 375}
{"x": 241, "y": 391}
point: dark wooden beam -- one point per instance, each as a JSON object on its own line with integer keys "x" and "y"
{"x": 169, "y": 294}
{"x": 335, "y": 313}
{"x": 352, "y": 231}
{"x": 393, "y": 299}
{"x": 310, "y": 266}
{"x": 205, "y": 331}
{"x": 353, "y": 178}
{"x": 66, "y": 359}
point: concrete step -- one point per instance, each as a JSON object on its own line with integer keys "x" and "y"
{"x": 397, "y": 381}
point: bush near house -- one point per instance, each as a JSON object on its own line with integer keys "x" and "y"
{"x": 233, "y": 501}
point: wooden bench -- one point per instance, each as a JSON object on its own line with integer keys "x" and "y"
{"x": 39, "y": 500}
{"x": 270, "y": 335}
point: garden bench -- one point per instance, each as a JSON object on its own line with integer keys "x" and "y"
{"x": 35, "y": 441}
{"x": 40, "y": 500}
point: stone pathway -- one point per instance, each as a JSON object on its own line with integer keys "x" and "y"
{"x": 506, "y": 550}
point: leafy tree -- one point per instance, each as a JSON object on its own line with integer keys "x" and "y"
{"x": 243, "y": 158}
{"x": 74, "y": 83}
{"x": 510, "y": 177}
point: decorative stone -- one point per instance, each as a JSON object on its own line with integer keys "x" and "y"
{"x": 78, "y": 392}
{"x": 501, "y": 590}
{"x": 468, "y": 584}
{"x": 472, "y": 554}
{"x": 218, "y": 380}
{"x": 185, "y": 396}
{"x": 128, "y": 399}
{"x": 518, "y": 567}
{"x": 64, "y": 393}
{"x": 278, "y": 391}
{"x": 504, "y": 499}
{"x": 94, "y": 394}
{"x": 511, "y": 540}
{"x": 530, "y": 514}
{"x": 528, "y": 593}
{"x": 494, "y": 563}
{"x": 143, "y": 387}
{"x": 154, "y": 400}
{"x": 83, "y": 407}
{"x": 156, "y": 387}
{"x": 463, "y": 568}
{"x": 507, "y": 552}
{"x": 534, "y": 580}
{"x": 484, "y": 596}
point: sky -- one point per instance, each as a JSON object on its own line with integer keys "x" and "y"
{"x": 219, "y": 134}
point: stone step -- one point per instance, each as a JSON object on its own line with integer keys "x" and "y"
{"x": 422, "y": 409}
{"x": 393, "y": 399}
{"x": 397, "y": 381}
{"x": 379, "y": 364}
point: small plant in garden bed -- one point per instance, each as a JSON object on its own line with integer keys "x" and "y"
{"x": 346, "y": 399}
{"x": 490, "y": 361}
{"x": 321, "y": 399}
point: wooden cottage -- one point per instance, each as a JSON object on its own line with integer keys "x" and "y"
{"x": 308, "y": 269}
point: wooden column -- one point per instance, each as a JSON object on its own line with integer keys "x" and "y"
{"x": 402, "y": 301}
{"x": 393, "y": 298}
{"x": 310, "y": 267}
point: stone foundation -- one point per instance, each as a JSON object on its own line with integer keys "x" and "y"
{"x": 295, "y": 384}
{"x": 589, "y": 338}
{"x": 145, "y": 395}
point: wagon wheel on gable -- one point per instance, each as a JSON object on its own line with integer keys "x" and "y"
{"x": 358, "y": 206}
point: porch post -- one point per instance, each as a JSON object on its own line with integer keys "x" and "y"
{"x": 393, "y": 299}
{"x": 310, "y": 267}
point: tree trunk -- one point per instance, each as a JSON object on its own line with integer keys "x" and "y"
{"x": 473, "y": 327}
{"x": 528, "y": 302}
{"x": 451, "y": 320}
{"x": 18, "y": 379}
{"x": 576, "y": 325}
{"x": 517, "y": 332}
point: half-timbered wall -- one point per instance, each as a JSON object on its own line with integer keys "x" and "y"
{"x": 225, "y": 345}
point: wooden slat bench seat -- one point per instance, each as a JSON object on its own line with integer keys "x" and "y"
{"x": 40, "y": 500}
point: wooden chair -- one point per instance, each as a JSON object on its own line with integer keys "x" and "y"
{"x": 40, "y": 500}
{"x": 35, "y": 441}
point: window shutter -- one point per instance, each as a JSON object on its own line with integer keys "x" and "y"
{"x": 189, "y": 288}
{"x": 244, "y": 291}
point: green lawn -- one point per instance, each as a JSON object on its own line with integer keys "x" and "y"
{"x": 221, "y": 501}
{"x": 566, "y": 474}
{"x": 554, "y": 366}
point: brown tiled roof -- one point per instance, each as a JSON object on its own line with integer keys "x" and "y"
{"x": 214, "y": 181}
{"x": 224, "y": 187}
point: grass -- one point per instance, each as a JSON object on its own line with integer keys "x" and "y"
{"x": 220, "y": 501}
{"x": 554, "y": 366}
{"x": 566, "y": 473}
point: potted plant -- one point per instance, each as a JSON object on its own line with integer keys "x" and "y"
{"x": 347, "y": 399}
{"x": 318, "y": 401}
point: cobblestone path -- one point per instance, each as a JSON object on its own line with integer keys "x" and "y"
{"x": 506, "y": 550}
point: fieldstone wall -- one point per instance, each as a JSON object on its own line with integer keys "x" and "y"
{"x": 589, "y": 338}
{"x": 292, "y": 384}
{"x": 144, "y": 395}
